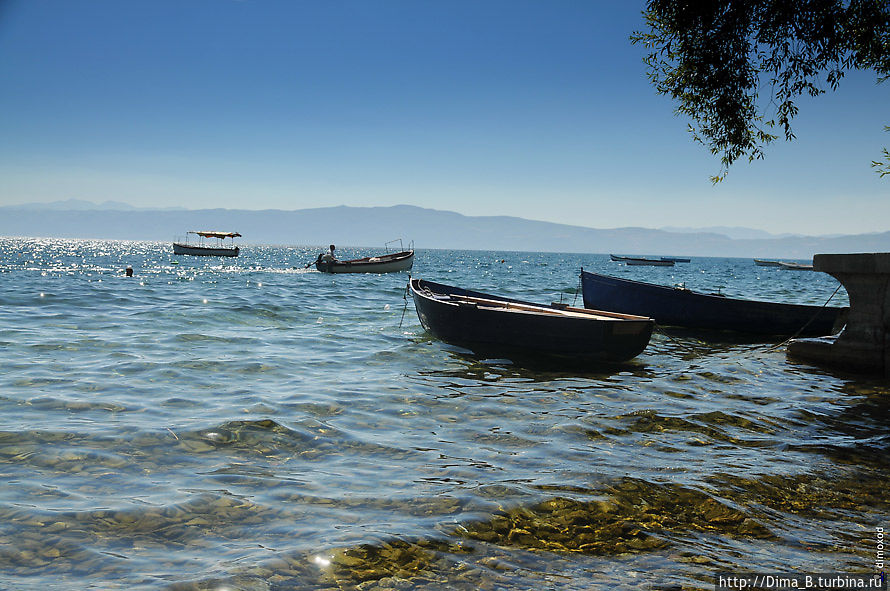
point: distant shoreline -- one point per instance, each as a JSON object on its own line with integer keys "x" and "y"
{"x": 434, "y": 229}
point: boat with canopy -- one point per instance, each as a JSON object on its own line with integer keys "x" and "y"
{"x": 217, "y": 249}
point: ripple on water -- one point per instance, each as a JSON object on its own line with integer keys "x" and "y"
{"x": 246, "y": 424}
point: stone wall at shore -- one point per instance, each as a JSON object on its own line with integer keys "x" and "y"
{"x": 864, "y": 344}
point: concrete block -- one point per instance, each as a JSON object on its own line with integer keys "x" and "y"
{"x": 864, "y": 344}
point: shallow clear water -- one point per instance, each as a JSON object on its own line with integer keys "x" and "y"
{"x": 250, "y": 424}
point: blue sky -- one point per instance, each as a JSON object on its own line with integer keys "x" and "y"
{"x": 533, "y": 109}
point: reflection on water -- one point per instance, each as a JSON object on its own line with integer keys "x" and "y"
{"x": 250, "y": 424}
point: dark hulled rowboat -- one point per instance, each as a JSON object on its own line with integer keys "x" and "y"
{"x": 640, "y": 261}
{"x": 385, "y": 263}
{"x": 675, "y": 306}
{"x": 648, "y": 262}
{"x": 516, "y": 329}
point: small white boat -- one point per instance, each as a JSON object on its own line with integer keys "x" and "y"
{"x": 384, "y": 263}
{"x": 796, "y": 266}
{"x": 201, "y": 249}
{"x": 390, "y": 262}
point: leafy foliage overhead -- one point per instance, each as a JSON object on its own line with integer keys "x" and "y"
{"x": 715, "y": 57}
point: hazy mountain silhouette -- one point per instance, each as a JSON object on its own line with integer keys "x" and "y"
{"x": 82, "y": 205}
{"x": 428, "y": 228}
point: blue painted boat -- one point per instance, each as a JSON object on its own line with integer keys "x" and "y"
{"x": 678, "y": 306}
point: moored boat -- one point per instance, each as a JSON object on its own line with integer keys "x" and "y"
{"x": 767, "y": 263}
{"x": 678, "y": 306}
{"x": 795, "y": 266}
{"x": 201, "y": 249}
{"x": 384, "y": 263}
{"x": 648, "y": 263}
{"x": 522, "y": 330}
{"x": 642, "y": 261}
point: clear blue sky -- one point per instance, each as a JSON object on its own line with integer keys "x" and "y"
{"x": 485, "y": 107}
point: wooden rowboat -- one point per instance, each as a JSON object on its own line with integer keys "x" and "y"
{"x": 634, "y": 262}
{"x": 518, "y": 330}
{"x": 796, "y": 266}
{"x": 384, "y": 263}
{"x": 678, "y": 306}
{"x": 640, "y": 261}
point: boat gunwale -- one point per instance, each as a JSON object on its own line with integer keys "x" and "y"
{"x": 383, "y": 258}
{"x": 500, "y": 304}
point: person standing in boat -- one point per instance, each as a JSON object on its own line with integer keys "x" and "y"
{"x": 324, "y": 258}
{"x": 329, "y": 257}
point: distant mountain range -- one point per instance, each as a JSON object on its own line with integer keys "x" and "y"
{"x": 734, "y": 232}
{"x": 81, "y": 205}
{"x": 428, "y": 228}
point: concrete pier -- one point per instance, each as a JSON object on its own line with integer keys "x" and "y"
{"x": 864, "y": 344}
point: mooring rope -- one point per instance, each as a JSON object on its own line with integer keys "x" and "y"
{"x": 578, "y": 288}
{"x": 405, "y": 297}
{"x": 810, "y": 321}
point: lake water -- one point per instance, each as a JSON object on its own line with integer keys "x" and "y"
{"x": 251, "y": 424}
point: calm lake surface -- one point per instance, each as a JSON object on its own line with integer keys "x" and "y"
{"x": 250, "y": 424}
